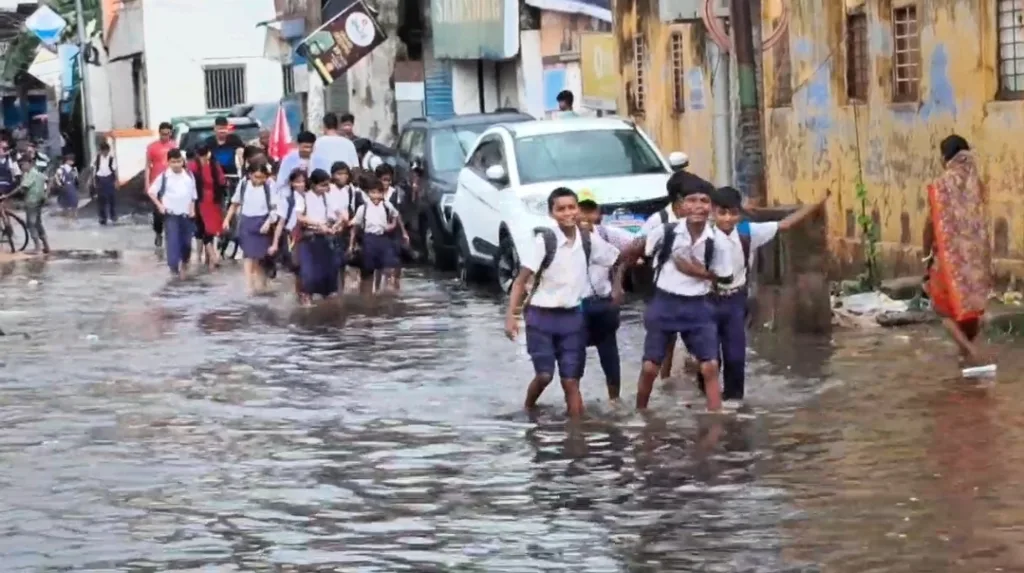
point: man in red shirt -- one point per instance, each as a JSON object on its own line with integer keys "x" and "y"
{"x": 156, "y": 163}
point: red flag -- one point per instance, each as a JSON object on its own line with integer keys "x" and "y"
{"x": 280, "y": 137}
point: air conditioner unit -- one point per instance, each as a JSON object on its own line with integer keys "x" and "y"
{"x": 690, "y": 10}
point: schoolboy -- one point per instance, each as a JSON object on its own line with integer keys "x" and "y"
{"x": 558, "y": 266}
{"x": 375, "y": 220}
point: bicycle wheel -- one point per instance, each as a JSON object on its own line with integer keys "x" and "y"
{"x": 15, "y": 233}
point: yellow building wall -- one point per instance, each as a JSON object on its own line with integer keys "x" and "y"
{"x": 688, "y": 130}
{"x": 822, "y": 140}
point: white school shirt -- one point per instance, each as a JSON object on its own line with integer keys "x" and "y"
{"x": 329, "y": 149}
{"x": 566, "y": 282}
{"x": 179, "y": 193}
{"x": 374, "y": 218}
{"x": 106, "y": 161}
{"x": 600, "y": 275}
{"x": 338, "y": 200}
{"x": 670, "y": 279}
{"x": 760, "y": 235}
{"x": 255, "y": 199}
{"x": 282, "y": 207}
{"x": 654, "y": 221}
{"x": 316, "y": 208}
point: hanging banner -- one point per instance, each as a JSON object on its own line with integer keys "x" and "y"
{"x": 344, "y": 40}
{"x": 599, "y": 70}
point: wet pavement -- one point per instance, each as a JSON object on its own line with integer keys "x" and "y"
{"x": 150, "y": 425}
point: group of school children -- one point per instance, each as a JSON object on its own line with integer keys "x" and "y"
{"x": 314, "y": 223}
{"x": 571, "y": 285}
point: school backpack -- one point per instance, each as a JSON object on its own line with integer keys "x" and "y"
{"x": 355, "y": 200}
{"x": 163, "y": 184}
{"x": 245, "y": 186}
{"x": 664, "y": 250}
{"x": 110, "y": 164}
{"x": 663, "y": 215}
{"x": 550, "y": 246}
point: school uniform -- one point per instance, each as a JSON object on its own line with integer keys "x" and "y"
{"x": 730, "y": 305}
{"x": 681, "y": 304}
{"x": 67, "y": 179}
{"x": 378, "y": 249}
{"x": 556, "y": 327}
{"x": 256, "y": 207}
{"x": 600, "y": 314}
{"x": 393, "y": 196}
{"x": 666, "y": 215}
{"x": 177, "y": 192}
{"x": 318, "y": 260}
{"x": 105, "y": 170}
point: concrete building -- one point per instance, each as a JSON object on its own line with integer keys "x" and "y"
{"x": 171, "y": 58}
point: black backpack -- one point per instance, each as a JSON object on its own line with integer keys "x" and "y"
{"x": 110, "y": 164}
{"x": 245, "y": 186}
{"x": 551, "y": 246}
{"x": 355, "y": 200}
{"x": 163, "y": 184}
{"x": 664, "y": 250}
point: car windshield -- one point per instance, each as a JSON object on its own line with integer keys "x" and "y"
{"x": 585, "y": 155}
{"x": 448, "y": 146}
{"x": 197, "y": 135}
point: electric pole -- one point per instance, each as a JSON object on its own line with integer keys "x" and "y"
{"x": 88, "y": 133}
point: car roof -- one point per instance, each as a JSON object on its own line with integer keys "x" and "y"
{"x": 567, "y": 125}
{"x": 474, "y": 119}
{"x": 203, "y": 121}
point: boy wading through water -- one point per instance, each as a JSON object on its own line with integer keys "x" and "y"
{"x": 730, "y": 300}
{"x": 556, "y": 328}
{"x": 689, "y": 261}
{"x": 174, "y": 195}
{"x": 373, "y": 223}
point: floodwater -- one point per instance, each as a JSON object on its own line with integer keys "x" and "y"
{"x": 147, "y": 425}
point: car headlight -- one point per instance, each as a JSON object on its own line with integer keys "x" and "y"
{"x": 536, "y": 205}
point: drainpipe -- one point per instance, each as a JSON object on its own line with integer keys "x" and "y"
{"x": 750, "y": 171}
{"x": 721, "y": 127}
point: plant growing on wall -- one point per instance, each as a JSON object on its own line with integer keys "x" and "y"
{"x": 870, "y": 277}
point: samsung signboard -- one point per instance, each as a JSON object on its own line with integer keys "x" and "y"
{"x": 475, "y": 29}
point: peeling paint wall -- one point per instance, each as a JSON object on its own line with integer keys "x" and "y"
{"x": 823, "y": 140}
{"x": 688, "y": 129}
{"x": 371, "y": 82}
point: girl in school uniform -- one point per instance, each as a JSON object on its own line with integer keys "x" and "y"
{"x": 374, "y": 221}
{"x": 317, "y": 218}
{"x": 556, "y": 331}
{"x": 256, "y": 208}
{"x": 67, "y": 182}
{"x": 285, "y": 236}
{"x": 393, "y": 196}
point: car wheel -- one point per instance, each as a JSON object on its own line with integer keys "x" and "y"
{"x": 506, "y": 264}
{"x": 467, "y": 271}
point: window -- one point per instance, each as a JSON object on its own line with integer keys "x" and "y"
{"x": 405, "y": 143}
{"x": 678, "y": 81}
{"x": 288, "y": 76}
{"x": 857, "y": 57}
{"x": 225, "y": 87}
{"x": 585, "y": 155}
{"x": 488, "y": 154}
{"x": 419, "y": 138}
{"x": 1010, "y": 21}
{"x": 448, "y": 146}
{"x": 907, "y": 61}
{"x": 783, "y": 92}
{"x": 639, "y": 73}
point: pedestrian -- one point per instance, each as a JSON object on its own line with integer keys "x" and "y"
{"x": 368, "y": 161}
{"x": 348, "y": 124}
{"x": 211, "y": 188}
{"x": 565, "y": 101}
{"x": 394, "y": 196}
{"x": 318, "y": 260}
{"x": 556, "y": 331}
{"x": 285, "y": 236}
{"x": 227, "y": 149}
{"x": 601, "y": 306}
{"x": 33, "y": 183}
{"x": 105, "y": 183}
{"x": 299, "y": 158}
{"x": 67, "y": 182}
{"x": 344, "y": 181}
{"x": 156, "y": 163}
{"x": 689, "y": 261}
{"x": 9, "y": 170}
{"x": 174, "y": 196}
{"x": 257, "y": 213}
{"x": 332, "y": 146}
{"x": 957, "y": 240}
{"x": 374, "y": 222}
{"x": 731, "y": 301}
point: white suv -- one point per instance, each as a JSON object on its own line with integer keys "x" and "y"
{"x": 502, "y": 190}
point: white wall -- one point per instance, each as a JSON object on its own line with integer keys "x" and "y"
{"x": 182, "y": 36}
{"x": 120, "y": 96}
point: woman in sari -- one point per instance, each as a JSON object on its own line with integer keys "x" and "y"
{"x": 957, "y": 235}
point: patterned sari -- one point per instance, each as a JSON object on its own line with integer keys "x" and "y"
{"x": 959, "y": 280}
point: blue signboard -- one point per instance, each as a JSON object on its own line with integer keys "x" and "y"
{"x": 475, "y": 29}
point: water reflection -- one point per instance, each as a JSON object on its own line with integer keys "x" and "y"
{"x": 153, "y": 425}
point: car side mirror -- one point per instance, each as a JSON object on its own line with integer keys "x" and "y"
{"x": 496, "y": 174}
{"x": 678, "y": 160}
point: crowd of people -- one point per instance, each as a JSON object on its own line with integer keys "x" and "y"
{"x": 325, "y": 212}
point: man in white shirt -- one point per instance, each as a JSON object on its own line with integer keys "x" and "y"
{"x": 332, "y": 146}
{"x": 556, "y": 332}
{"x": 730, "y": 301}
{"x": 174, "y": 194}
{"x": 105, "y": 183}
{"x": 299, "y": 158}
{"x": 688, "y": 261}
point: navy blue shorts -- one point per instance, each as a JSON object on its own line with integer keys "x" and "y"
{"x": 556, "y": 337}
{"x": 690, "y": 317}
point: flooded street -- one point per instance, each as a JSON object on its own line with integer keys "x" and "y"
{"x": 147, "y": 425}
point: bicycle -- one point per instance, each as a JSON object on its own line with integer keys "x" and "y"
{"x": 10, "y": 226}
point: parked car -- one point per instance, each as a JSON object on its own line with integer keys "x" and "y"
{"x": 437, "y": 149}
{"x": 190, "y": 131}
{"x": 502, "y": 191}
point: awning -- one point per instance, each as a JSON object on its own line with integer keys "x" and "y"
{"x": 600, "y": 9}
